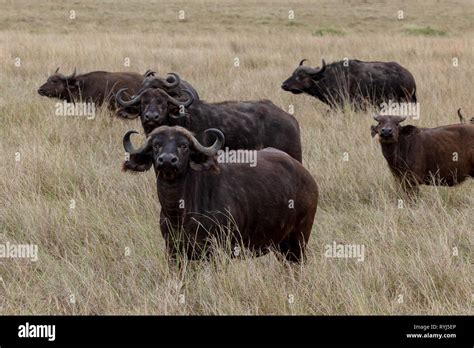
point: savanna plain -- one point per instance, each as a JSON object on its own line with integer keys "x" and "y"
{"x": 104, "y": 254}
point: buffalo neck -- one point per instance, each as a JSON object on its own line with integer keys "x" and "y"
{"x": 198, "y": 118}
{"x": 183, "y": 195}
{"x": 171, "y": 197}
{"x": 397, "y": 153}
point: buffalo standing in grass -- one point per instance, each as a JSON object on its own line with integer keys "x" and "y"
{"x": 246, "y": 124}
{"x": 430, "y": 156}
{"x": 98, "y": 87}
{"x": 353, "y": 81}
{"x": 270, "y": 205}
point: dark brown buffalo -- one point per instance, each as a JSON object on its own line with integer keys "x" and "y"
{"x": 173, "y": 85}
{"x": 358, "y": 83}
{"x": 98, "y": 87}
{"x": 270, "y": 205}
{"x": 430, "y": 156}
{"x": 246, "y": 124}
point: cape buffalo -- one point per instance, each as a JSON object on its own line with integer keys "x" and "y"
{"x": 439, "y": 156}
{"x": 98, "y": 87}
{"x": 359, "y": 83}
{"x": 246, "y": 124}
{"x": 270, "y": 205}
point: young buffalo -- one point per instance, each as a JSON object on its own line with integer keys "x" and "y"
{"x": 430, "y": 156}
{"x": 269, "y": 205}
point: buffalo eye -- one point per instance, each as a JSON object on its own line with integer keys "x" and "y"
{"x": 183, "y": 146}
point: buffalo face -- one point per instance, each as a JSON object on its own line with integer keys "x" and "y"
{"x": 388, "y": 128}
{"x": 171, "y": 151}
{"x": 156, "y": 106}
{"x": 303, "y": 78}
{"x": 59, "y": 85}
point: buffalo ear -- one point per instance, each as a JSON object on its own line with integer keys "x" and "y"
{"x": 138, "y": 163}
{"x": 373, "y": 130}
{"x": 202, "y": 162}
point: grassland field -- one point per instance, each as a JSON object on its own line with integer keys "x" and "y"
{"x": 107, "y": 255}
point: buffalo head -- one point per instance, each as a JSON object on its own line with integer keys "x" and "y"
{"x": 171, "y": 150}
{"x": 303, "y": 78}
{"x": 156, "y": 106}
{"x": 388, "y": 128}
{"x": 59, "y": 85}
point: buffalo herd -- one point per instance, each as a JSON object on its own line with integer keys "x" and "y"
{"x": 270, "y": 205}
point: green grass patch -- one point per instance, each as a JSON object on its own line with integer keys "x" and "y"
{"x": 425, "y": 31}
{"x": 328, "y": 31}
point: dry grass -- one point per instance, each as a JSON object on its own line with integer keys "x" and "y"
{"x": 409, "y": 251}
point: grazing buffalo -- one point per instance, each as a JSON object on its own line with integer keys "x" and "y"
{"x": 270, "y": 205}
{"x": 430, "y": 156}
{"x": 98, "y": 87}
{"x": 353, "y": 81}
{"x": 246, "y": 124}
{"x": 173, "y": 85}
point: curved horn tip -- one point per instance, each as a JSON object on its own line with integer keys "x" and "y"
{"x": 175, "y": 77}
{"x": 185, "y": 103}
{"x": 220, "y": 135}
{"x": 127, "y": 144}
{"x": 302, "y": 61}
{"x": 130, "y": 132}
{"x": 172, "y": 80}
{"x": 214, "y": 130}
{"x": 134, "y": 100}
{"x": 57, "y": 70}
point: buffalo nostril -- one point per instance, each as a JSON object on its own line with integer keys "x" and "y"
{"x": 160, "y": 159}
{"x": 174, "y": 160}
